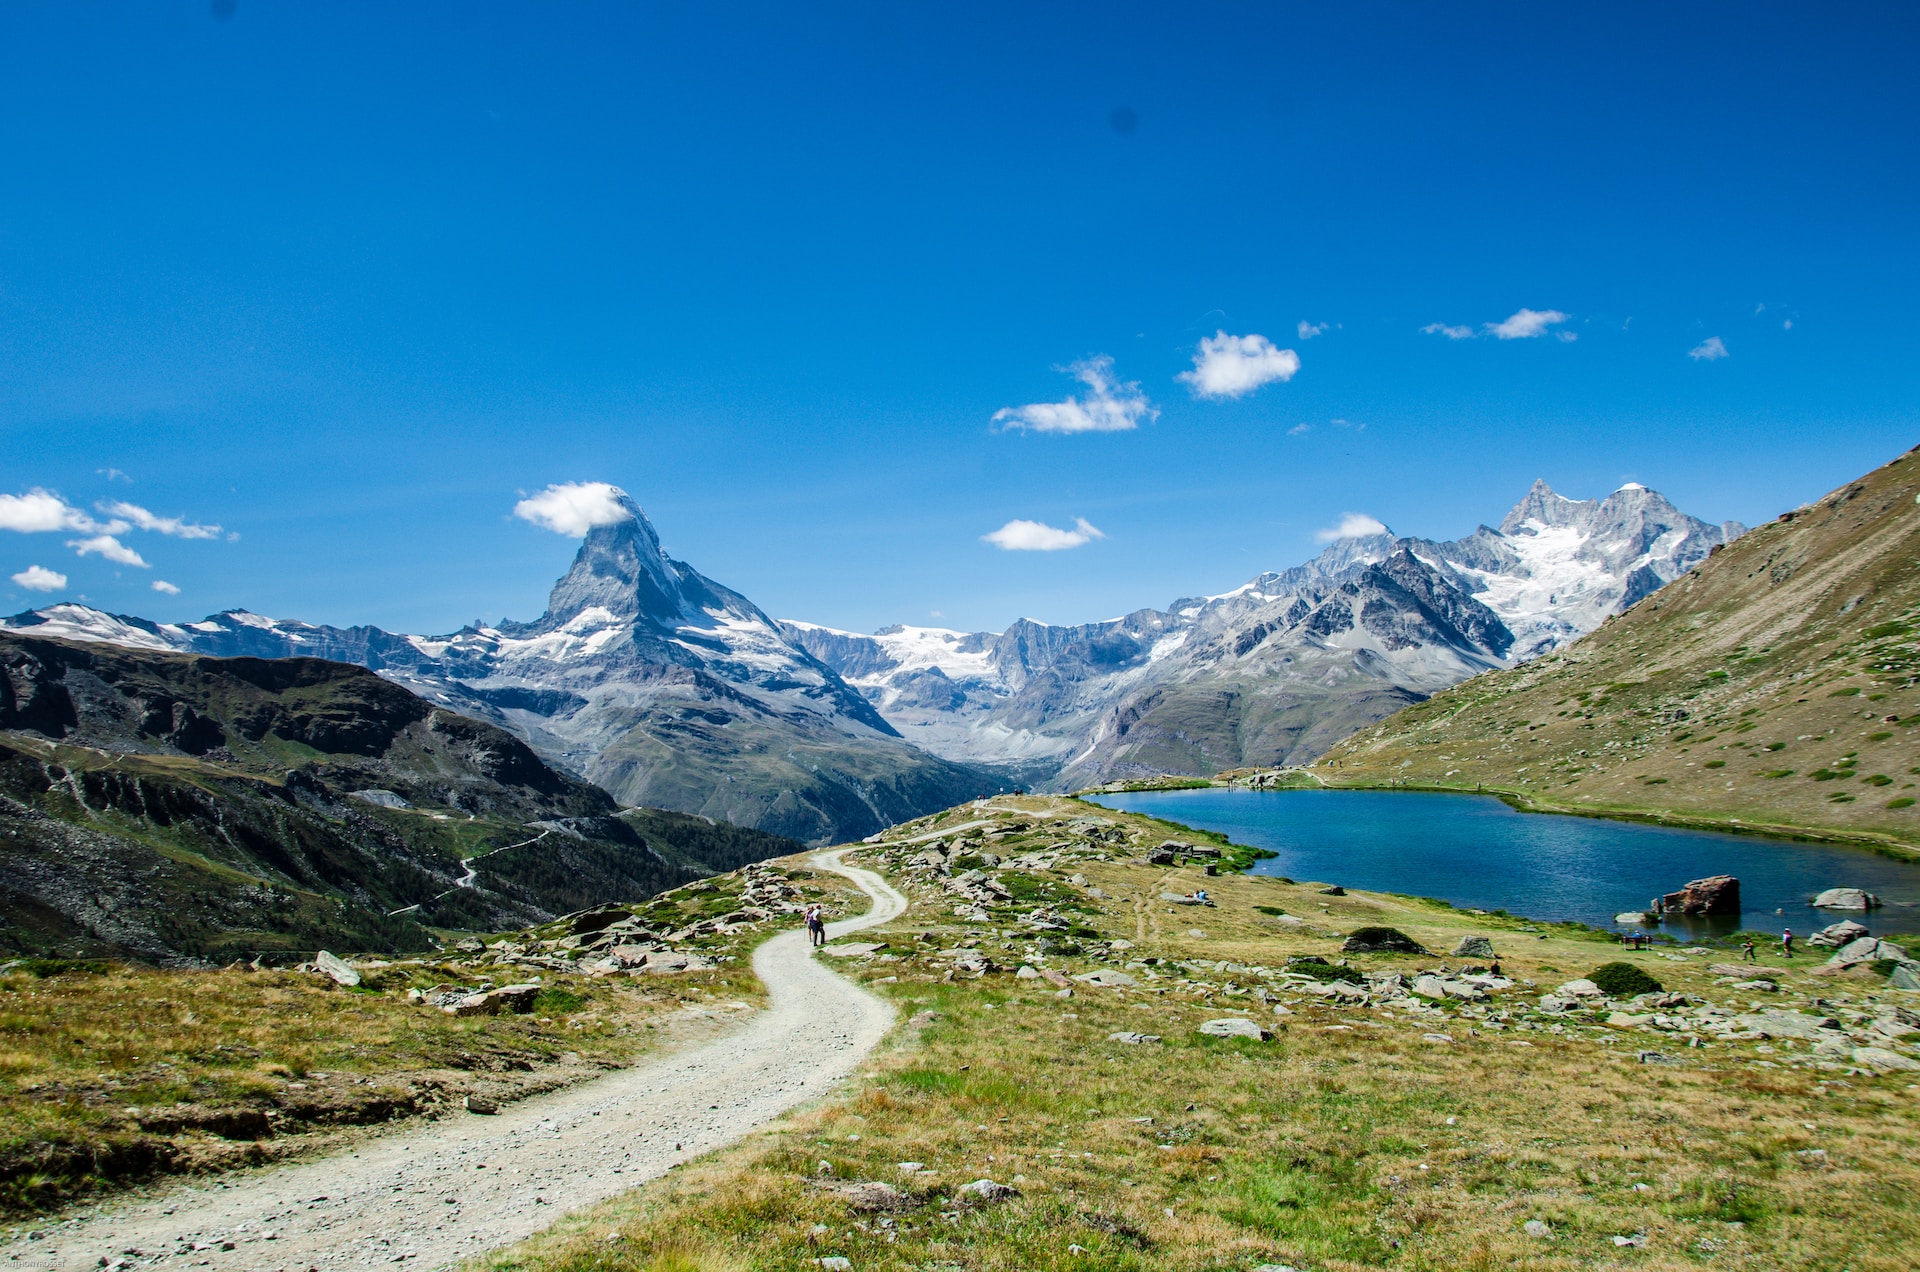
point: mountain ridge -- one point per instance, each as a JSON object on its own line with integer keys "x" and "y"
{"x": 1282, "y": 666}
{"x": 1773, "y": 686}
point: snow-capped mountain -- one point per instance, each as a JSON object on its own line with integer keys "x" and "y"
{"x": 643, "y": 676}
{"x": 1284, "y": 665}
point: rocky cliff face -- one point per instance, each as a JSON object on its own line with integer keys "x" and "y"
{"x": 1280, "y": 668}
{"x": 643, "y": 676}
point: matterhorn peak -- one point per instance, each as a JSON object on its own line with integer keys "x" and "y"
{"x": 620, "y": 568}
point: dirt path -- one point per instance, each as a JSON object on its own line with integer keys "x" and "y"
{"x": 431, "y": 1196}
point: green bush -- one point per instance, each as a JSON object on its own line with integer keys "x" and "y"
{"x": 554, "y": 1001}
{"x": 1623, "y": 980}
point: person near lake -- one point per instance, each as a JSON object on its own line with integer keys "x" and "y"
{"x": 1748, "y": 952}
{"x": 1786, "y": 942}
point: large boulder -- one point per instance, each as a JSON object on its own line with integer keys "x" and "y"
{"x": 1716, "y": 894}
{"x": 1867, "y": 950}
{"x": 1381, "y": 940}
{"x": 1836, "y": 935}
{"x": 332, "y": 965}
{"x": 1474, "y": 947}
{"x": 1846, "y": 899}
{"x": 1234, "y": 1027}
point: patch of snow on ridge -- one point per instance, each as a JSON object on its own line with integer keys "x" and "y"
{"x": 82, "y": 622}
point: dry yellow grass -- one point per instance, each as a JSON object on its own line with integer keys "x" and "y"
{"x": 110, "y": 1073}
{"x": 1349, "y": 1141}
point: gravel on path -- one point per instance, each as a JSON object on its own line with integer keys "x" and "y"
{"x": 445, "y": 1191}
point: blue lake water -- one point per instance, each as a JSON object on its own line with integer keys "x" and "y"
{"x": 1476, "y": 852}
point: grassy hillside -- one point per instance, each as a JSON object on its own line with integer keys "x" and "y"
{"x": 172, "y": 806}
{"x": 1775, "y": 687}
{"x": 1378, "y": 1128}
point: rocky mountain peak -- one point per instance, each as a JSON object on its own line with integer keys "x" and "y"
{"x": 620, "y": 568}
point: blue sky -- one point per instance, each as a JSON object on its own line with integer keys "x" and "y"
{"x": 348, "y": 281}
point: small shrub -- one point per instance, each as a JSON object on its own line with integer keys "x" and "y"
{"x": 1714, "y": 764}
{"x": 1878, "y": 779}
{"x": 1778, "y": 773}
{"x": 1902, "y": 802}
{"x": 1623, "y": 980}
{"x": 554, "y": 1001}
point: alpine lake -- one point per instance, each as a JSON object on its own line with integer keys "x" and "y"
{"x": 1475, "y": 852}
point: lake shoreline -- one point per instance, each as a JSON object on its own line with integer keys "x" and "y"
{"x": 1522, "y": 802}
{"x": 1487, "y": 861}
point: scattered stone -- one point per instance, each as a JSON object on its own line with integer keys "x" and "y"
{"x": 1334, "y": 891}
{"x": 336, "y": 967}
{"x": 1109, "y": 980}
{"x": 1437, "y": 1037}
{"x": 1381, "y": 940}
{"x": 1473, "y": 947}
{"x": 1235, "y": 1027}
{"x": 1846, "y": 899}
{"x": 983, "y": 1192}
{"x": 1632, "y": 917}
{"x": 1132, "y": 1039}
{"x": 1883, "y": 1060}
{"x": 1534, "y": 1228}
{"x": 852, "y": 949}
{"x": 1160, "y": 857}
{"x": 835, "y": 1263}
{"x": 1905, "y": 976}
{"x": 482, "y": 1105}
{"x": 1716, "y": 894}
{"x": 1581, "y": 988}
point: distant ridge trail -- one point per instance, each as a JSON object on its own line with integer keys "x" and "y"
{"x": 443, "y": 1192}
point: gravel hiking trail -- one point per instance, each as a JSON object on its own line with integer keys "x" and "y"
{"x": 435, "y": 1194}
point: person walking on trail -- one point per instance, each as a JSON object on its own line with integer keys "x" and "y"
{"x": 816, "y": 926}
{"x": 1748, "y": 952}
{"x": 1786, "y": 942}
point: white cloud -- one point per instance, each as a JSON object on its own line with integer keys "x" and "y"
{"x": 1712, "y": 349}
{"x": 109, "y": 547}
{"x": 1038, "y": 536}
{"x": 575, "y": 507}
{"x": 1111, "y": 406}
{"x": 1300, "y": 429}
{"x": 1352, "y": 526}
{"x": 1451, "y": 333}
{"x": 1308, "y": 330}
{"x": 114, "y": 474}
{"x": 41, "y": 510}
{"x": 1233, "y": 366}
{"x": 161, "y": 585}
{"x": 178, "y": 527}
{"x": 1525, "y": 324}
{"x": 36, "y": 579}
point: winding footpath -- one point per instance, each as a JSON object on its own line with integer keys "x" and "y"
{"x": 445, "y": 1191}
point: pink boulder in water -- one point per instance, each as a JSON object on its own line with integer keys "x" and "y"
{"x": 1717, "y": 894}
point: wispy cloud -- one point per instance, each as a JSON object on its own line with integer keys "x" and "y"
{"x": 166, "y": 588}
{"x": 110, "y": 547}
{"x": 1300, "y": 429}
{"x": 1227, "y": 366}
{"x": 575, "y": 507}
{"x": 1111, "y": 405}
{"x": 38, "y": 579}
{"x": 1308, "y": 330}
{"x": 114, "y": 474}
{"x": 1522, "y": 324}
{"x": 1525, "y": 324}
{"x": 1712, "y": 349}
{"x": 1038, "y": 536}
{"x": 178, "y": 527}
{"x": 1353, "y": 525}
